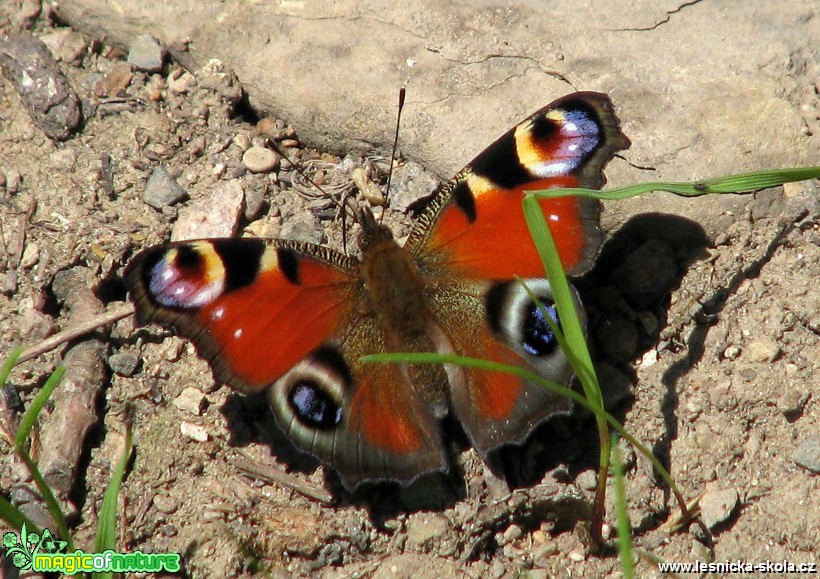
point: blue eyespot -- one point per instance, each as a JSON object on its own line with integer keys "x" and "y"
{"x": 313, "y": 406}
{"x": 538, "y": 338}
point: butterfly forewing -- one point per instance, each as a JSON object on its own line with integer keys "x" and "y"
{"x": 475, "y": 225}
{"x": 238, "y": 300}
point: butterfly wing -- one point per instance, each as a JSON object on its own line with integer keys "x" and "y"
{"x": 499, "y": 321}
{"x": 472, "y": 240}
{"x": 293, "y": 317}
{"x": 476, "y": 217}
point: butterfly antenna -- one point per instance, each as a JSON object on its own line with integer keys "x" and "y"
{"x": 342, "y": 206}
{"x": 402, "y": 92}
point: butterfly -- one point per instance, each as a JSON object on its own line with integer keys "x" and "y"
{"x": 294, "y": 318}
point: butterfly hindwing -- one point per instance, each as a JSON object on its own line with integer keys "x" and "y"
{"x": 499, "y": 321}
{"x": 365, "y": 421}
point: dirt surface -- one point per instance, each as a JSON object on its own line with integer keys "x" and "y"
{"x": 709, "y": 348}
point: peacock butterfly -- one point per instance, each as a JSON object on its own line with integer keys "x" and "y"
{"x": 294, "y": 318}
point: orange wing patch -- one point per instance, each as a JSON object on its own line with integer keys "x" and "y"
{"x": 497, "y": 243}
{"x": 257, "y": 328}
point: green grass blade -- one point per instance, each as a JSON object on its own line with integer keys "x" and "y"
{"x": 740, "y": 183}
{"x": 8, "y": 512}
{"x": 5, "y": 370}
{"x": 26, "y": 424}
{"x": 30, "y": 416}
{"x": 107, "y": 523}
{"x": 576, "y": 348}
{"x": 622, "y": 515}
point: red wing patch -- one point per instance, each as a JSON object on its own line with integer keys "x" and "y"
{"x": 497, "y": 243}
{"x": 264, "y": 328}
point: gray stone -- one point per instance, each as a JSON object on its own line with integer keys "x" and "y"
{"x": 807, "y": 454}
{"x": 409, "y": 184}
{"x": 191, "y": 400}
{"x": 260, "y": 160}
{"x": 215, "y": 216}
{"x": 302, "y": 228}
{"x": 587, "y": 480}
{"x": 716, "y": 507}
{"x": 124, "y": 363}
{"x": 50, "y": 100}
{"x": 193, "y": 431}
{"x": 66, "y": 45}
{"x": 162, "y": 189}
{"x": 422, "y": 528}
{"x": 762, "y": 350}
{"x": 146, "y": 54}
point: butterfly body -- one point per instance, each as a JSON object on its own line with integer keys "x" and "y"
{"x": 295, "y": 318}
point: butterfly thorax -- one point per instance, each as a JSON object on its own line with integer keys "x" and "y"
{"x": 394, "y": 287}
{"x": 396, "y": 295}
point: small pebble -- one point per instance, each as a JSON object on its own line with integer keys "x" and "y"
{"x": 577, "y": 556}
{"x": 731, "y": 352}
{"x": 792, "y": 401}
{"x": 763, "y": 350}
{"x": 215, "y": 216}
{"x": 255, "y": 194}
{"x": 13, "y": 181}
{"x": 410, "y": 183}
{"x": 124, "y": 363}
{"x": 587, "y": 480}
{"x": 191, "y": 400}
{"x": 66, "y": 45}
{"x": 116, "y": 82}
{"x": 650, "y": 358}
{"x": 260, "y": 160}
{"x": 243, "y": 141}
{"x": 807, "y": 454}
{"x": 164, "y": 503}
{"x": 64, "y": 160}
{"x": 545, "y": 550}
{"x": 162, "y": 189}
{"x": 31, "y": 256}
{"x": 193, "y": 431}
{"x": 302, "y": 228}
{"x": 717, "y": 507}
{"x": 369, "y": 190}
{"x": 36, "y": 325}
{"x": 146, "y": 54}
{"x": 512, "y": 533}
{"x": 180, "y": 83}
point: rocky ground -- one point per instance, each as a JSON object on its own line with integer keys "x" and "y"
{"x": 708, "y": 343}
